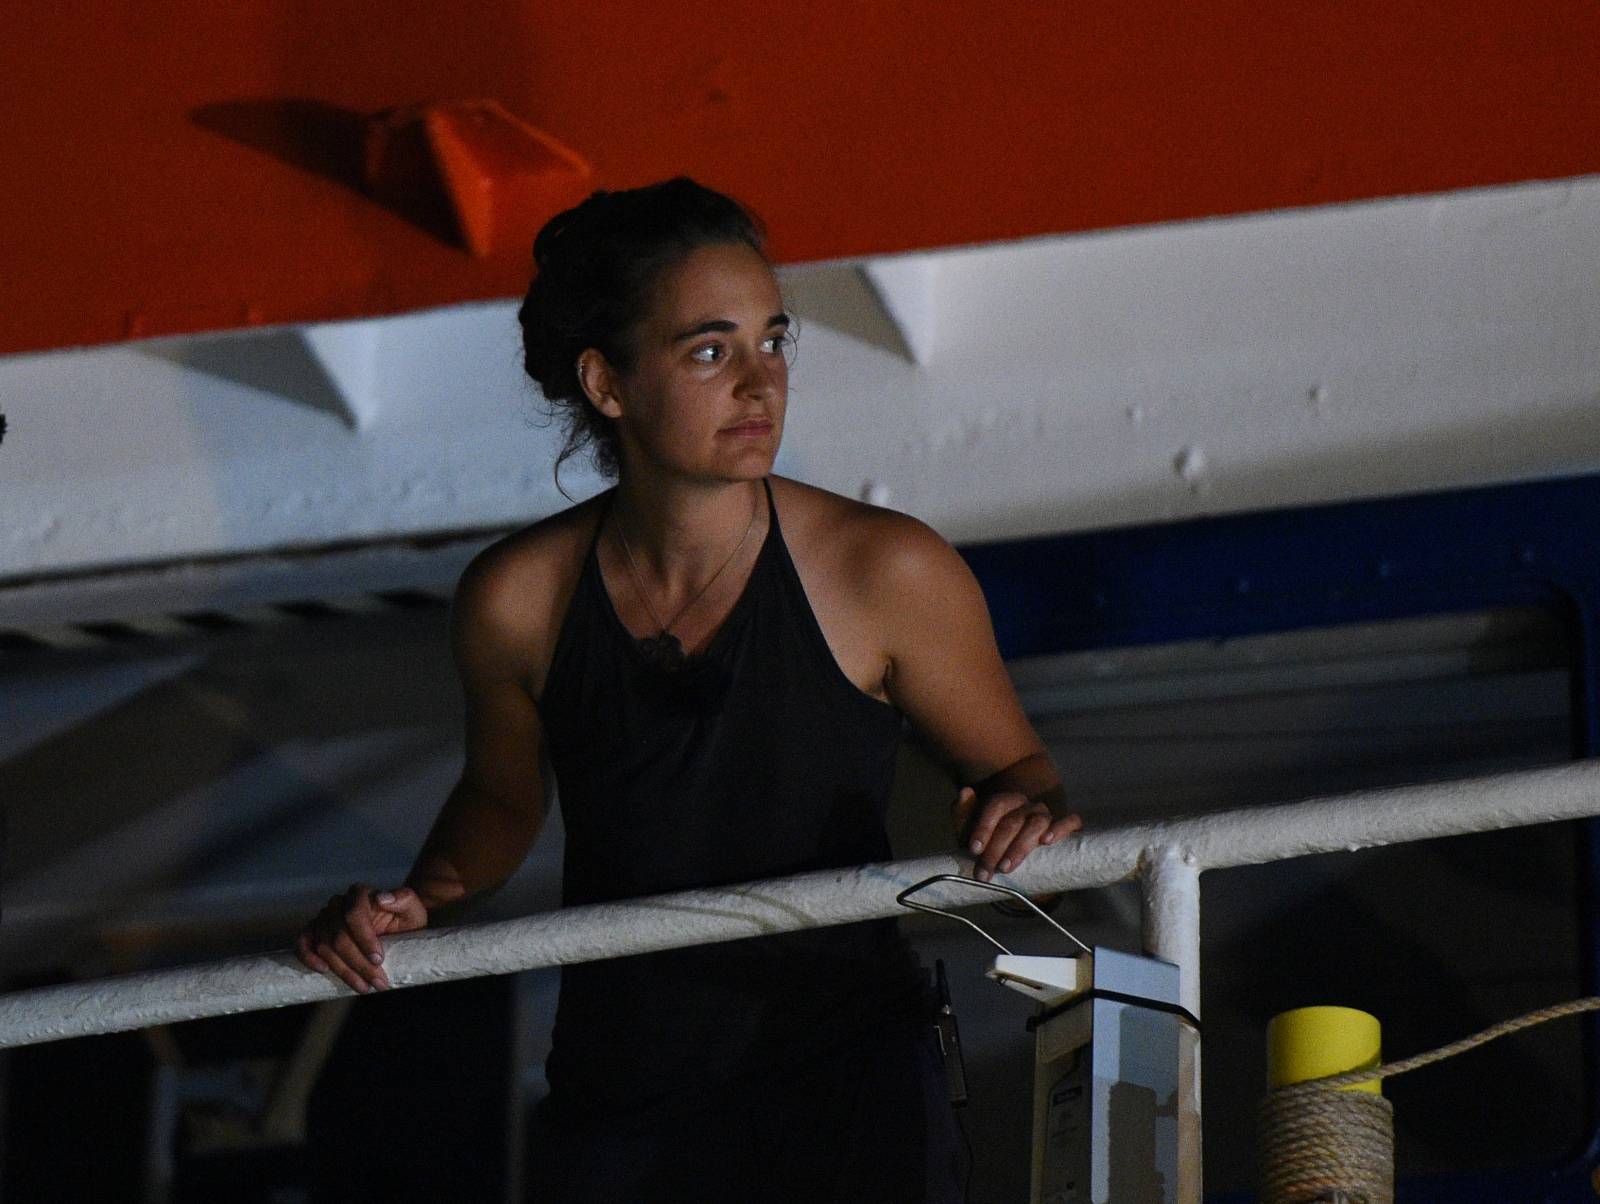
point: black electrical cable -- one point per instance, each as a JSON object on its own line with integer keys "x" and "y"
{"x": 972, "y": 1161}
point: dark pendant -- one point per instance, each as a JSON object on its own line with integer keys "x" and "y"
{"x": 663, "y": 651}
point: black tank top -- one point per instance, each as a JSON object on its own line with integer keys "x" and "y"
{"x": 758, "y": 758}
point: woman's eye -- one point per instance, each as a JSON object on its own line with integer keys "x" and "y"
{"x": 776, "y": 344}
{"x": 711, "y": 353}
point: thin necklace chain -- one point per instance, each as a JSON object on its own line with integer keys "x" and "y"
{"x": 638, "y": 580}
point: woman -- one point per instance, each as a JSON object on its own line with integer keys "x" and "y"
{"x": 715, "y": 663}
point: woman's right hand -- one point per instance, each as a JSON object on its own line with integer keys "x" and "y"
{"x": 343, "y": 939}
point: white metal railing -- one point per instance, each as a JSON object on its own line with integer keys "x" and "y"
{"x": 1167, "y": 858}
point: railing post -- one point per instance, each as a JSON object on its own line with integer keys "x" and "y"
{"x": 1169, "y": 882}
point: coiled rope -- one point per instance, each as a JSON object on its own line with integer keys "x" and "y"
{"x": 1321, "y": 1145}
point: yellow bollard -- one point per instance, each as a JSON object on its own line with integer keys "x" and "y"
{"x": 1311, "y": 1043}
{"x": 1319, "y": 1146}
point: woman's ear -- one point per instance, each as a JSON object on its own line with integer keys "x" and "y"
{"x": 599, "y": 381}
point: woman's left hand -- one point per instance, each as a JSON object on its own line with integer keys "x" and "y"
{"x": 1007, "y": 828}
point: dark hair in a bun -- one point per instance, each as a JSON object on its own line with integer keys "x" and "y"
{"x": 595, "y": 268}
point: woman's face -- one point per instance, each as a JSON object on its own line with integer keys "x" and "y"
{"x": 706, "y": 395}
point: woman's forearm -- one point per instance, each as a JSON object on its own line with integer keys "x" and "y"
{"x": 476, "y": 843}
{"x": 1035, "y": 776}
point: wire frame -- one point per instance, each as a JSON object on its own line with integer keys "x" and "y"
{"x": 905, "y": 900}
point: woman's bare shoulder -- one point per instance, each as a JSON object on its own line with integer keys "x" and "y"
{"x": 511, "y": 596}
{"x": 866, "y": 548}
